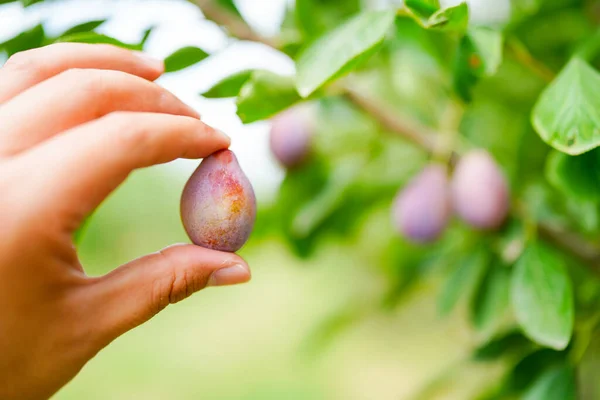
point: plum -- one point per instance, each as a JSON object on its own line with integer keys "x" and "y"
{"x": 421, "y": 210}
{"x": 480, "y": 193}
{"x": 291, "y": 136}
{"x": 218, "y": 205}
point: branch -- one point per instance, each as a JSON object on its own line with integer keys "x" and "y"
{"x": 406, "y": 128}
{"x": 523, "y": 56}
{"x": 236, "y": 26}
{"x": 422, "y": 136}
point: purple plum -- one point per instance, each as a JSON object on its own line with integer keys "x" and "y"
{"x": 422, "y": 209}
{"x": 218, "y": 206}
{"x": 480, "y": 192}
{"x": 291, "y": 136}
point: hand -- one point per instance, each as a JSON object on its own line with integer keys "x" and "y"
{"x": 75, "y": 120}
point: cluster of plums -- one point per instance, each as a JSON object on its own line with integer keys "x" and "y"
{"x": 477, "y": 192}
{"x": 218, "y": 205}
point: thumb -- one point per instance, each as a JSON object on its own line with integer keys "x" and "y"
{"x": 135, "y": 292}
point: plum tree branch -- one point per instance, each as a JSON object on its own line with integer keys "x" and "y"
{"x": 422, "y": 136}
{"x": 236, "y": 26}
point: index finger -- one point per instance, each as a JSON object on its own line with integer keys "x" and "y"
{"x": 78, "y": 169}
{"x": 26, "y": 69}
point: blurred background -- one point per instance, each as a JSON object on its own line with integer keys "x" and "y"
{"x": 304, "y": 327}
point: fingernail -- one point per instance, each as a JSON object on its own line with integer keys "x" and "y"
{"x": 150, "y": 61}
{"x": 229, "y": 276}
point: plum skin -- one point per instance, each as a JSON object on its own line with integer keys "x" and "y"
{"x": 480, "y": 193}
{"x": 422, "y": 210}
{"x": 291, "y": 136}
{"x": 218, "y": 205}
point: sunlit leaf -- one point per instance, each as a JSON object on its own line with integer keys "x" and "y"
{"x": 542, "y": 297}
{"x": 184, "y": 58}
{"x": 335, "y": 53}
{"x": 26, "y": 40}
{"x": 567, "y": 114}
{"x": 264, "y": 95}
{"x": 229, "y": 86}
{"x": 97, "y": 38}
{"x": 84, "y": 27}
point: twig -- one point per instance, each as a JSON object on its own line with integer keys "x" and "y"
{"x": 408, "y": 129}
{"x": 523, "y": 56}
{"x": 237, "y": 27}
{"x": 422, "y": 136}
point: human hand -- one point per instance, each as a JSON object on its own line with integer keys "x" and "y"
{"x": 76, "y": 120}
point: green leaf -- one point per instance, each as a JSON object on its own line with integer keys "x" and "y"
{"x": 529, "y": 369}
{"x": 26, "y": 40}
{"x": 146, "y": 36}
{"x": 315, "y": 17}
{"x": 84, "y": 27}
{"x": 487, "y": 44}
{"x": 578, "y": 176}
{"x": 97, "y": 38}
{"x": 451, "y": 19}
{"x": 318, "y": 209}
{"x": 491, "y": 299}
{"x": 555, "y": 384}
{"x": 337, "y": 52}
{"x": 264, "y": 95}
{"x": 463, "y": 279}
{"x": 184, "y": 58}
{"x": 567, "y": 114}
{"x": 228, "y": 87}
{"x": 421, "y": 8}
{"x": 508, "y": 343}
{"x": 479, "y": 54}
{"x": 230, "y": 6}
{"x": 587, "y": 371}
{"x": 542, "y": 297}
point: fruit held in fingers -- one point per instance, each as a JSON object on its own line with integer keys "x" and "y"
{"x": 218, "y": 205}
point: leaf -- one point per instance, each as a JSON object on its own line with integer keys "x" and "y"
{"x": 315, "y": 17}
{"x": 264, "y": 95}
{"x": 529, "y": 369}
{"x": 315, "y": 211}
{"x": 555, "y": 384}
{"x": 487, "y": 44}
{"x": 451, "y": 19}
{"x": 84, "y": 27}
{"x": 463, "y": 279}
{"x": 479, "y": 54}
{"x": 26, "y": 40}
{"x": 567, "y": 113}
{"x": 230, "y": 6}
{"x": 93, "y": 37}
{"x": 146, "y": 36}
{"x": 491, "y": 299}
{"x": 228, "y": 87}
{"x": 587, "y": 371}
{"x": 421, "y": 8}
{"x": 507, "y": 343}
{"x": 578, "y": 176}
{"x": 542, "y": 297}
{"x": 336, "y": 52}
{"x": 184, "y": 58}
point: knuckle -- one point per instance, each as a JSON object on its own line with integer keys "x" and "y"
{"x": 23, "y": 61}
{"x": 172, "y": 287}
